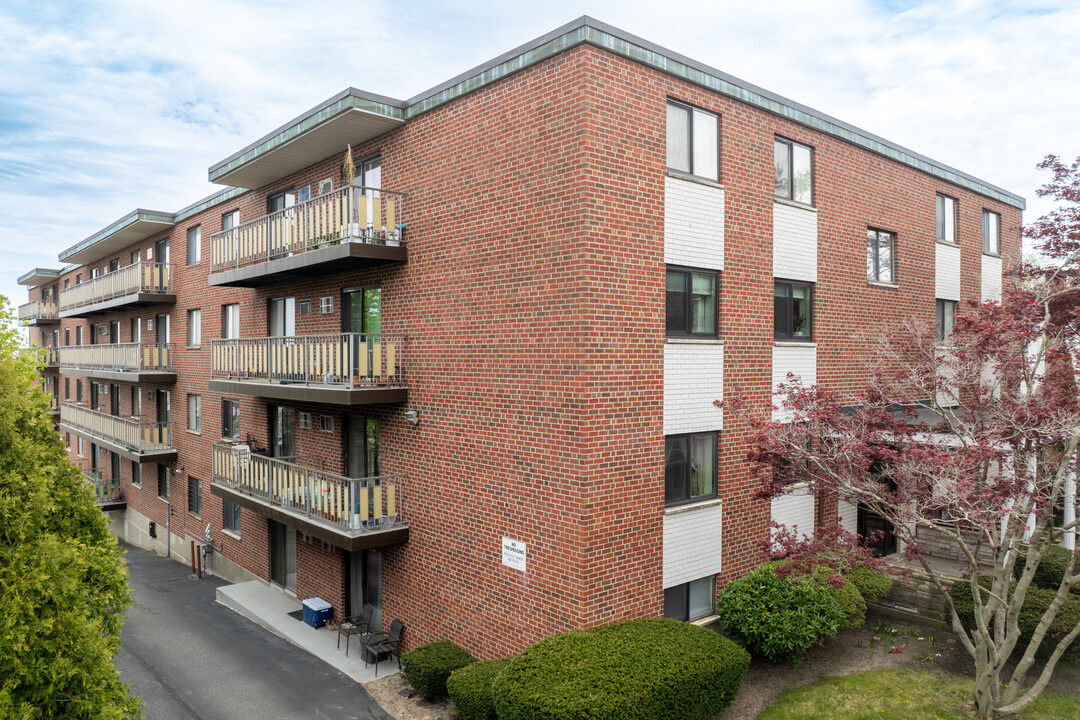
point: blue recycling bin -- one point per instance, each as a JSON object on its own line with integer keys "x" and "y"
{"x": 317, "y": 612}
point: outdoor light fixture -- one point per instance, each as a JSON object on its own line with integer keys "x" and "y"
{"x": 412, "y": 416}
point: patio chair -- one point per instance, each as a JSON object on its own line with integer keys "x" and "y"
{"x": 355, "y": 625}
{"x": 378, "y": 643}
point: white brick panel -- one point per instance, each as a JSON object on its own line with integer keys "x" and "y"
{"x": 794, "y": 243}
{"x": 800, "y": 360}
{"x": 693, "y": 224}
{"x": 947, "y": 272}
{"x": 795, "y": 511}
{"x": 693, "y": 379}
{"x": 849, "y": 516}
{"x": 991, "y": 278}
{"x": 692, "y": 544}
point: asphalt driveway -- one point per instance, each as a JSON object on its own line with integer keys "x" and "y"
{"x": 190, "y": 658}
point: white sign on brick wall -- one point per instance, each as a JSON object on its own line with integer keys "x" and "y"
{"x": 513, "y": 554}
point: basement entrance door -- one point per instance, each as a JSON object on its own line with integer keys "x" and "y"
{"x": 283, "y": 555}
{"x": 364, "y": 584}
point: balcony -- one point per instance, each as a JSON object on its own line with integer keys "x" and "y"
{"x": 348, "y": 228}
{"x": 126, "y": 362}
{"x": 108, "y": 494}
{"x": 138, "y": 441}
{"x": 350, "y": 513}
{"x": 38, "y": 312}
{"x": 138, "y": 284}
{"x": 337, "y": 368}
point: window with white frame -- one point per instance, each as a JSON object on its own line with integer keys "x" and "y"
{"x": 231, "y": 520}
{"x": 991, "y": 233}
{"x": 691, "y": 600}
{"x": 693, "y": 141}
{"x": 880, "y": 256}
{"x": 946, "y": 218}
{"x": 946, "y": 318}
{"x": 194, "y": 245}
{"x": 194, "y": 325}
{"x": 194, "y": 413}
{"x": 230, "y": 321}
{"x": 793, "y": 171}
{"x": 230, "y": 220}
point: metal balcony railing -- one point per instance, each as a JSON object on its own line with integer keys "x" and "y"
{"x": 355, "y": 213}
{"x": 105, "y": 491}
{"x": 354, "y": 505}
{"x": 37, "y": 310}
{"x": 130, "y": 434}
{"x": 139, "y": 277}
{"x": 347, "y": 360}
{"x": 119, "y": 357}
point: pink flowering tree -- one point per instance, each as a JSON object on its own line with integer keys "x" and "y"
{"x": 975, "y": 438}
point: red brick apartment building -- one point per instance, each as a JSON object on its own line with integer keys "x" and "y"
{"x": 473, "y": 388}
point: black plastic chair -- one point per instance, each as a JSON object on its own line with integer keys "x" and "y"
{"x": 378, "y": 643}
{"x": 355, "y": 625}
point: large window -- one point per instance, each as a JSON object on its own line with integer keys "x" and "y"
{"x": 232, "y": 517}
{"x": 194, "y": 413}
{"x": 691, "y": 303}
{"x": 230, "y": 220}
{"x": 689, "y": 467}
{"x": 691, "y": 600}
{"x": 946, "y": 316}
{"x": 693, "y": 141}
{"x": 230, "y": 418}
{"x": 163, "y": 481}
{"x": 194, "y": 328}
{"x": 194, "y": 496}
{"x": 946, "y": 218}
{"x": 880, "y": 256}
{"x": 194, "y": 245}
{"x": 792, "y": 310}
{"x": 230, "y": 321}
{"x": 136, "y": 474}
{"x": 793, "y": 177}
{"x": 991, "y": 233}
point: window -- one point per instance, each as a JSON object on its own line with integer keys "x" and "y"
{"x": 78, "y": 335}
{"x": 67, "y": 336}
{"x": 194, "y": 413}
{"x": 880, "y": 256}
{"x": 230, "y": 220}
{"x": 67, "y": 388}
{"x": 78, "y": 391}
{"x": 991, "y": 233}
{"x": 326, "y": 305}
{"x": 691, "y": 303}
{"x": 691, "y": 600}
{"x": 792, "y": 315}
{"x": 230, "y": 418}
{"x": 135, "y": 256}
{"x": 136, "y": 474}
{"x": 280, "y": 201}
{"x": 689, "y": 467}
{"x": 326, "y": 423}
{"x": 67, "y": 440}
{"x": 80, "y": 446}
{"x": 793, "y": 171}
{"x": 693, "y": 141}
{"x": 114, "y": 458}
{"x": 946, "y": 316}
{"x": 304, "y": 194}
{"x": 78, "y": 279}
{"x": 230, "y": 321}
{"x": 232, "y": 517}
{"x": 163, "y": 481}
{"x": 194, "y": 245}
{"x": 194, "y": 328}
{"x": 946, "y": 219}
{"x": 136, "y": 402}
{"x": 194, "y": 496}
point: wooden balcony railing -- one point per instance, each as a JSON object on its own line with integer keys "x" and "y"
{"x": 139, "y": 277}
{"x": 347, "y": 360}
{"x": 351, "y": 504}
{"x": 119, "y": 357}
{"x": 37, "y": 310}
{"x": 350, "y": 214}
{"x": 105, "y": 491}
{"x": 130, "y": 434}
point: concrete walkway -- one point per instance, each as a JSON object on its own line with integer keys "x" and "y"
{"x": 270, "y": 608}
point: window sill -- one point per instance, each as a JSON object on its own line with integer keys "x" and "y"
{"x": 878, "y": 283}
{"x": 794, "y": 204}
{"x": 689, "y": 507}
{"x": 707, "y": 620}
{"x": 193, "y": 347}
{"x": 694, "y": 341}
{"x": 197, "y": 516}
{"x": 194, "y": 432}
{"x": 163, "y": 499}
{"x": 946, "y": 243}
{"x": 230, "y": 533}
{"x": 794, "y": 343}
{"x": 137, "y": 486}
{"x": 680, "y": 175}
{"x": 993, "y": 255}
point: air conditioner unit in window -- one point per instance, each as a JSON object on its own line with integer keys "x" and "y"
{"x": 326, "y": 186}
{"x": 305, "y": 307}
{"x": 103, "y": 330}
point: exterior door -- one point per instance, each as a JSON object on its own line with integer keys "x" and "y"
{"x": 161, "y": 251}
{"x": 93, "y": 395}
{"x": 114, "y": 399}
{"x": 363, "y": 438}
{"x": 163, "y": 402}
{"x": 364, "y": 585}
{"x": 282, "y": 432}
{"x": 283, "y": 555}
{"x": 361, "y": 312}
{"x": 163, "y": 329}
{"x": 870, "y": 523}
{"x": 114, "y": 332}
{"x": 282, "y": 317}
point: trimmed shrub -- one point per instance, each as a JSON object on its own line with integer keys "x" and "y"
{"x": 845, "y": 593}
{"x": 1051, "y": 569}
{"x": 871, "y": 584}
{"x": 634, "y": 670}
{"x": 470, "y": 689}
{"x": 1036, "y": 602}
{"x": 427, "y": 667}
{"x": 779, "y": 618}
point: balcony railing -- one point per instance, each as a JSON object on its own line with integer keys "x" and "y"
{"x": 346, "y": 360}
{"x": 105, "y": 491}
{"x": 139, "y": 277}
{"x": 130, "y": 434}
{"x": 353, "y": 505}
{"x": 350, "y": 214}
{"x": 118, "y": 357}
{"x": 37, "y": 310}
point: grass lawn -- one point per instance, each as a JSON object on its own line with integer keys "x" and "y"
{"x": 901, "y": 694}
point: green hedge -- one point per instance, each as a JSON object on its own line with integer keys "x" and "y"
{"x": 1036, "y": 602}
{"x": 635, "y": 670}
{"x": 871, "y": 584}
{"x": 427, "y": 667}
{"x": 1051, "y": 569}
{"x": 470, "y": 689}
{"x": 779, "y": 618}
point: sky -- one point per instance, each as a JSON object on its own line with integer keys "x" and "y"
{"x": 110, "y": 106}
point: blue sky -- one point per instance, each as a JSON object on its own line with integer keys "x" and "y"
{"x": 110, "y": 106}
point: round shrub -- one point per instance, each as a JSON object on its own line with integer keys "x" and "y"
{"x": 871, "y": 584}
{"x": 470, "y": 689}
{"x": 427, "y": 667}
{"x": 779, "y": 618}
{"x": 635, "y": 670}
{"x": 845, "y": 593}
